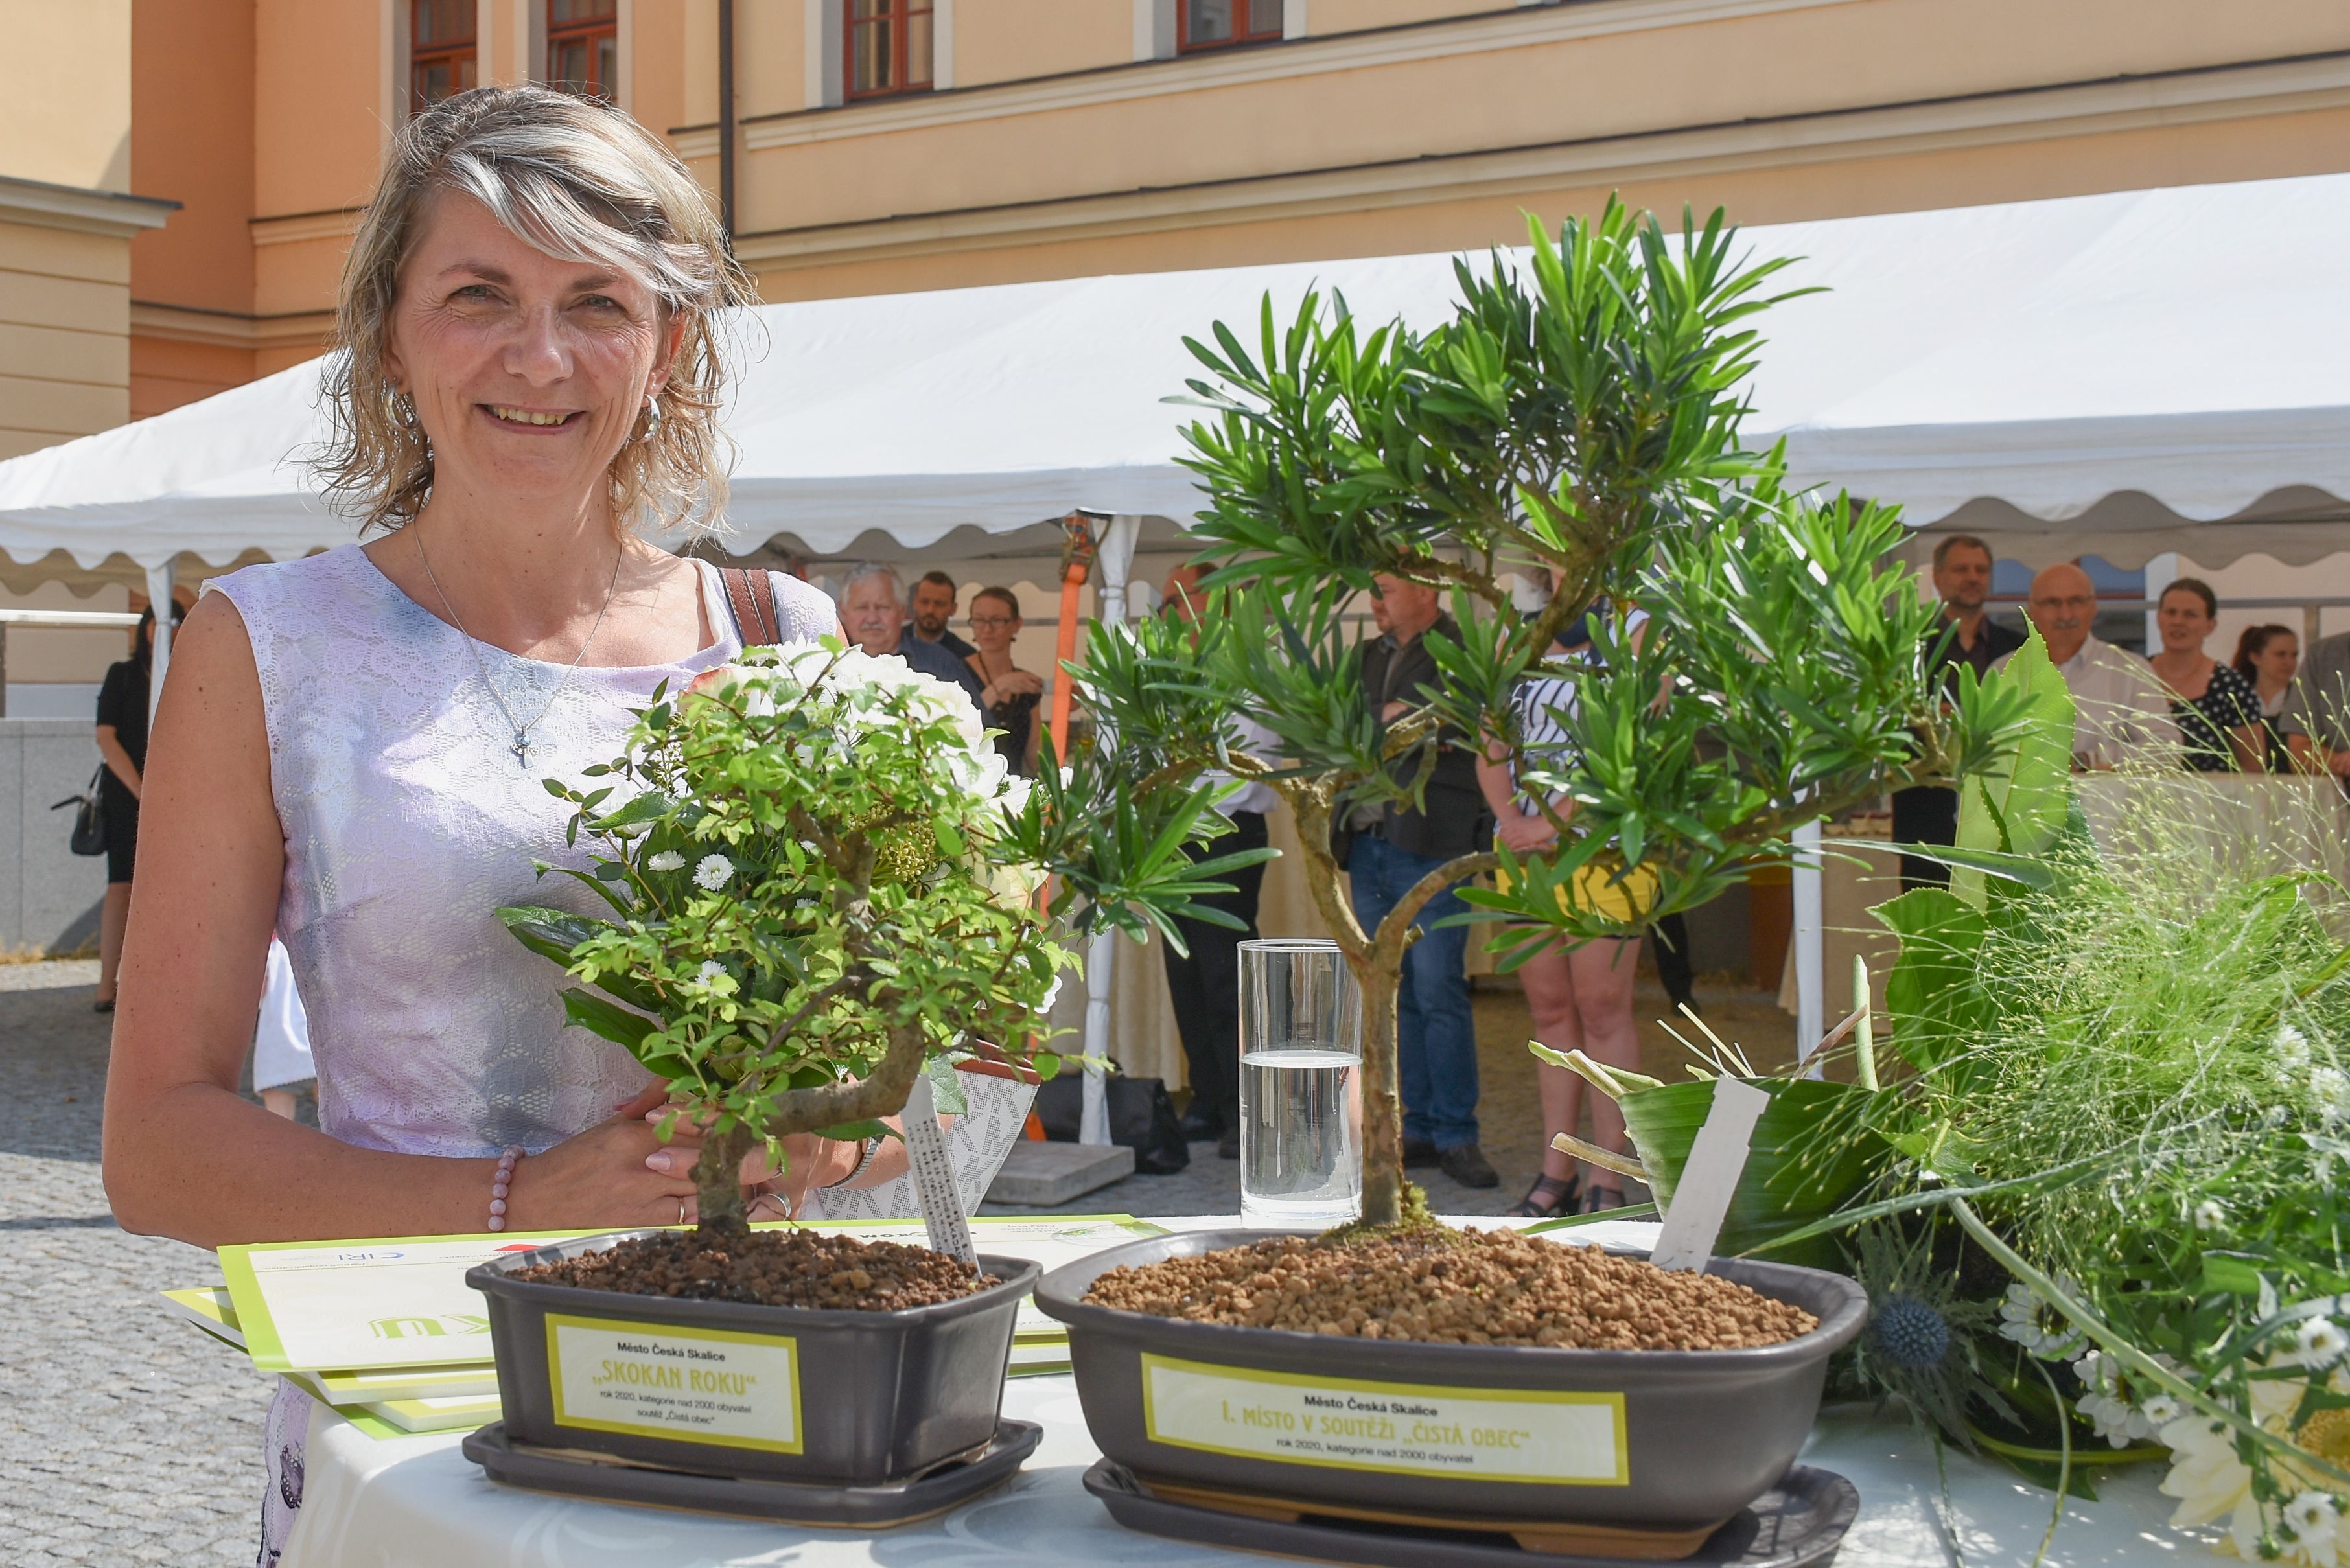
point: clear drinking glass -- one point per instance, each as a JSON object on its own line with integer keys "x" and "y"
{"x": 1301, "y": 1085}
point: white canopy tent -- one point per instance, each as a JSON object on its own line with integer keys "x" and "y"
{"x": 2107, "y": 373}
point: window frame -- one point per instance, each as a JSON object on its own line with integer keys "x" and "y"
{"x": 1239, "y": 40}
{"x": 899, "y": 13}
{"x": 450, "y": 53}
{"x": 556, "y": 35}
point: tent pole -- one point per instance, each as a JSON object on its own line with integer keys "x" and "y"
{"x": 2160, "y": 572}
{"x": 1114, "y": 556}
{"x": 1811, "y": 957}
{"x": 162, "y": 584}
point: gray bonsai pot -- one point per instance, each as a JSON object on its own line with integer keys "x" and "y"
{"x": 1663, "y": 1441}
{"x": 853, "y": 1399}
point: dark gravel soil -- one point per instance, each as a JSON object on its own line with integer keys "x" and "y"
{"x": 771, "y": 1267}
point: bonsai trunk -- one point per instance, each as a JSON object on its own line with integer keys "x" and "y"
{"x": 718, "y": 1183}
{"x": 1383, "y": 1181}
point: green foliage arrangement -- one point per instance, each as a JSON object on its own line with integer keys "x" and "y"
{"x": 819, "y": 881}
{"x": 2102, "y": 1221}
{"x": 1577, "y": 416}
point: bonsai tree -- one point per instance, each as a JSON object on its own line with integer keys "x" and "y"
{"x": 812, "y": 893}
{"x": 1579, "y": 416}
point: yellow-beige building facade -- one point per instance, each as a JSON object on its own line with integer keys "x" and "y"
{"x": 179, "y": 178}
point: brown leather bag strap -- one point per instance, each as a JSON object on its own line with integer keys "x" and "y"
{"x": 756, "y": 624}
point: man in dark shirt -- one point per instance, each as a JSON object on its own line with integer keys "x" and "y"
{"x": 931, "y": 608}
{"x": 1387, "y": 850}
{"x": 871, "y": 601}
{"x": 1927, "y": 815}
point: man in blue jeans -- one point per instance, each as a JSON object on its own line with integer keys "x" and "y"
{"x": 1388, "y": 850}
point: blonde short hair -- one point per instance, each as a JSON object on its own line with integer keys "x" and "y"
{"x": 578, "y": 179}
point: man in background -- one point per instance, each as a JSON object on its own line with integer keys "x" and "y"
{"x": 1205, "y": 986}
{"x": 932, "y": 607}
{"x": 1965, "y": 634}
{"x": 2120, "y": 711}
{"x": 1388, "y": 850}
{"x": 2315, "y": 721}
{"x": 873, "y": 610}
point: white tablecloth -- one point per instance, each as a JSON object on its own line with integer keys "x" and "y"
{"x": 370, "y": 1504}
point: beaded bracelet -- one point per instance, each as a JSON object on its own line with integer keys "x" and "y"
{"x": 500, "y": 1183}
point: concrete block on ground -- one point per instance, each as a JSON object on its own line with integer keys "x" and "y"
{"x": 1045, "y": 1175}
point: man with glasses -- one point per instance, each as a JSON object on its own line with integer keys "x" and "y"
{"x": 2120, "y": 711}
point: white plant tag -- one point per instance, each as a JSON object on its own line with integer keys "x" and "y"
{"x": 935, "y": 1184}
{"x": 1701, "y": 1198}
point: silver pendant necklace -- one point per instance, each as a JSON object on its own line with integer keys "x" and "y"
{"x": 521, "y": 747}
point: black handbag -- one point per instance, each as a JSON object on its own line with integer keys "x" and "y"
{"x": 1141, "y": 1117}
{"x": 89, "y": 820}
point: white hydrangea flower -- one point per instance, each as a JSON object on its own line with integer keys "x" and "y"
{"x": 712, "y": 872}
{"x": 666, "y": 860}
{"x": 2210, "y": 1214}
{"x": 2161, "y": 1408}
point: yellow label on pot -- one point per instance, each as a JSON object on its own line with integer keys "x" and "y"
{"x": 1406, "y": 1429}
{"x": 695, "y": 1386}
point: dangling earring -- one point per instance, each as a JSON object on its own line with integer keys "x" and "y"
{"x": 651, "y": 417}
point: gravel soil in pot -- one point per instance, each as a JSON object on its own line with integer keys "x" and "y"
{"x": 1470, "y": 1375}
{"x": 781, "y": 1354}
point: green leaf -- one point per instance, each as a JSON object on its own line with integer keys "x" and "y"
{"x": 1938, "y": 1003}
{"x": 608, "y": 1019}
{"x": 2021, "y": 805}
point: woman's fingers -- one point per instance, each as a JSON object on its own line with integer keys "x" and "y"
{"x": 651, "y": 1097}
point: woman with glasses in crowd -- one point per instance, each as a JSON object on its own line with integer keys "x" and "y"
{"x": 1011, "y": 694}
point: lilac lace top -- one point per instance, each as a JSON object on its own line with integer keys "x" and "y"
{"x": 408, "y": 821}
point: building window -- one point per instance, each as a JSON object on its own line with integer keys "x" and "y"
{"x": 1216, "y": 24}
{"x": 888, "y": 47}
{"x": 441, "y": 61}
{"x": 583, "y": 46}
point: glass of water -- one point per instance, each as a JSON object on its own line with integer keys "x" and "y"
{"x": 1301, "y": 1085}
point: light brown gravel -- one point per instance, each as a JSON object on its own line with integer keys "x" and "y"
{"x": 1472, "y": 1287}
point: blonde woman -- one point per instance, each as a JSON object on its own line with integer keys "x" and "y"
{"x": 350, "y": 746}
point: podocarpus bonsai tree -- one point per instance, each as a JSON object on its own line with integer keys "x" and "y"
{"x": 812, "y": 897}
{"x": 1579, "y": 414}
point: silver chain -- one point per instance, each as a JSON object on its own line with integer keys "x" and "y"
{"x": 521, "y": 747}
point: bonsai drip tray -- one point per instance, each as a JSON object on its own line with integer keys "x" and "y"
{"x": 1799, "y": 1523}
{"x": 580, "y": 1473}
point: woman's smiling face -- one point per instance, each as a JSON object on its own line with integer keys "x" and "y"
{"x": 528, "y": 372}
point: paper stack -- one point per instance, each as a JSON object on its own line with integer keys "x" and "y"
{"x": 389, "y": 1332}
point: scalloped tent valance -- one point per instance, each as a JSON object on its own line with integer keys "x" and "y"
{"x": 2129, "y": 373}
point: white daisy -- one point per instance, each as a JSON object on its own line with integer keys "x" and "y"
{"x": 2036, "y": 1325}
{"x": 2210, "y": 1215}
{"x": 2317, "y": 1342}
{"x": 2312, "y": 1518}
{"x": 666, "y": 860}
{"x": 712, "y": 872}
{"x": 2330, "y": 1088}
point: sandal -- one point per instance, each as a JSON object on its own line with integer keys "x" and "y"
{"x": 1597, "y": 1199}
{"x": 104, "y": 1004}
{"x": 1549, "y": 1195}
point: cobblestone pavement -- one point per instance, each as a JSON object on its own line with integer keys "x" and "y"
{"x": 125, "y": 1436}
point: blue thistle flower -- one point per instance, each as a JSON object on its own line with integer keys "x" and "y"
{"x": 1909, "y": 1333}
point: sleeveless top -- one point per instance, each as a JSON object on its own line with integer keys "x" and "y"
{"x": 409, "y": 821}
